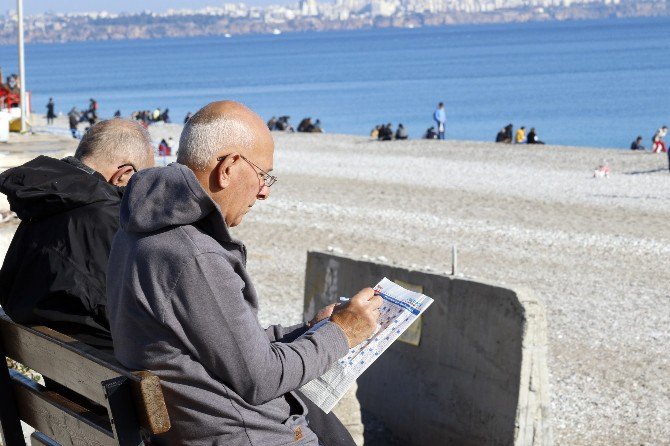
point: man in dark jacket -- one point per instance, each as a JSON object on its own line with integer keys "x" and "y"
{"x": 54, "y": 271}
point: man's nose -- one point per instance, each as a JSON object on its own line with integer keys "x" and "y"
{"x": 263, "y": 193}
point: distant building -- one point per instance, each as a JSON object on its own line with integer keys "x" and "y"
{"x": 308, "y": 8}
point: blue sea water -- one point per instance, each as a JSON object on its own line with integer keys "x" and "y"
{"x": 588, "y": 83}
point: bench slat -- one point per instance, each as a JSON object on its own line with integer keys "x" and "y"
{"x": 57, "y": 417}
{"x": 83, "y": 369}
{"x": 73, "y": 369}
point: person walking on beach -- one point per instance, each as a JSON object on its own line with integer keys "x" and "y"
{"x": 73, "y": 118}
{"x": 440, "y": 118}
{"x": 50, "y": 111}
{"x": 657, "y": 142}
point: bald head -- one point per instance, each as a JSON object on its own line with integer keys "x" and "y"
{"x": 111, "y": 143}
{"x": 220, "y": 128}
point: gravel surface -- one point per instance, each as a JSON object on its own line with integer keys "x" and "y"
{"x": 593, "y": 250}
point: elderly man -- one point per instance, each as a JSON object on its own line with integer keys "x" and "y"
{"x": 54, "y": 272}
{"x": 183, "y": 305}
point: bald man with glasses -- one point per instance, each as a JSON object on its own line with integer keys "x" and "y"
{"x": 184, "y": 306}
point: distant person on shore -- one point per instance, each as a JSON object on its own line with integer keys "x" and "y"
{"x": 637, "y": 144}
{"x": 374, "y": 133}
{"x": 532, "y": 137}
{"x": 283, "y": 124}
{"x": 430, "y": 133}
{"x": 386, "y": 133}
{"x": 117, "y": 114}
{"x": 305, "y": 125}
{"x": 509, "y": 133}
{"x": 73, "y": 119}
{"x": 500, "y": 136}
{"x": 272, "y": 123}
{"x": 316, "y": 127}
{"x": 401, "y": 133}
{"x": 440, "y": 118}
{"x": 92, "y": 114}
{"x": 520, "y": 135}
{"x": 54, "y": 273}
{"x": 187, "y": 117}
{"x": 50, "y": 111}
{"x": 165, "y": 116}
{"x": 657, "y": 142}
{"x": 164, "y": 148}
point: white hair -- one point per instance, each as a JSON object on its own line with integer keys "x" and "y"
{"x": 202, "y": 139}
{"x": 116, "y": 141}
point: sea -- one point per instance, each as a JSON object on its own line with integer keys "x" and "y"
{"x": 584, "y": 83}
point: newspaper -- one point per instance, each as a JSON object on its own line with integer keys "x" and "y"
{"x": 399, "y": 309}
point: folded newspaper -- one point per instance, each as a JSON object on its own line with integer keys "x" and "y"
{"x": 399, "y": 309}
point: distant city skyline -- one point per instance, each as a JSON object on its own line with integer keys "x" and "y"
{"x": 32, "y": 7}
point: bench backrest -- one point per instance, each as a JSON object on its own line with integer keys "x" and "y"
{"x": 133, "y": 400}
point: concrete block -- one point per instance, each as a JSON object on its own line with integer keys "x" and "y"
{"x": 479, "y": 374}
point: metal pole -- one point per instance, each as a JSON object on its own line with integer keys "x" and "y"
{"x": 22, "y": 66}
{"x": 454, "y": 260}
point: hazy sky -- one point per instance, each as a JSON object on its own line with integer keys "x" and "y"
{"x": 37, "y": 6}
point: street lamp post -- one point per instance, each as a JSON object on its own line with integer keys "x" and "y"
{"x": 22, "y": 67}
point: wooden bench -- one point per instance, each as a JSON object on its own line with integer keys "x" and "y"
{"x": 129, "y": 406}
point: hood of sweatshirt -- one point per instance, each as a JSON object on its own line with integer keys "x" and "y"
{"x": 47, "y": 186}
{"x": 163, "y": 197}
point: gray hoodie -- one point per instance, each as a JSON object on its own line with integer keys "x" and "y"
{"x": 181, "y": 304}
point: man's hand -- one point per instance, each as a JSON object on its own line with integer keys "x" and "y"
{"x": 358, "y": 317}
{"x": 323, "y": 314}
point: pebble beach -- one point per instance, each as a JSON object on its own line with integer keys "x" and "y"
{"x": 594, "y": 251}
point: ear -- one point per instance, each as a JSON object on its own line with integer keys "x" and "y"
{"x": 223, "y": 172}
{"x": 121, "y": 176}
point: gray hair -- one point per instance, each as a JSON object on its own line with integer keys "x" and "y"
{"x": 203, "y": 138}
{"x": 114, "y": 142}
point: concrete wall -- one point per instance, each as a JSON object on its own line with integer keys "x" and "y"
{"x": 479, "y": 373}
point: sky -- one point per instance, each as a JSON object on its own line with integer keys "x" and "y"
{"x": 31, "y": 7}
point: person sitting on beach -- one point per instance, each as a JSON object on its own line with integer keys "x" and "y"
{"x": 657, "y": 142}
{"x": 272, "y": 123}
{"x": 520, "y": 135}
{"x": 305, "y": 125}
{"x": 386, "y": 133}
{"x": 401, "y": 133}
{"x": 283, "y": 124}
{"x": 637, "y": 144}
{"x": 430, "y": 133}
{"x": 500, "y": 136}
{"x": 54, "y": 271}
{"x": 316, "y": 127}
{"x": 183, "y": 305}
{"x": 509, "y": 130}
{"x": 374, "y": 133}
{"x": 532, "y": 137}
{"x": 117, "y": 114}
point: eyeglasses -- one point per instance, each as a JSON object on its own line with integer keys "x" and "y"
{"x": 267, "y": 178}
{"x": 128, "y": 165}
